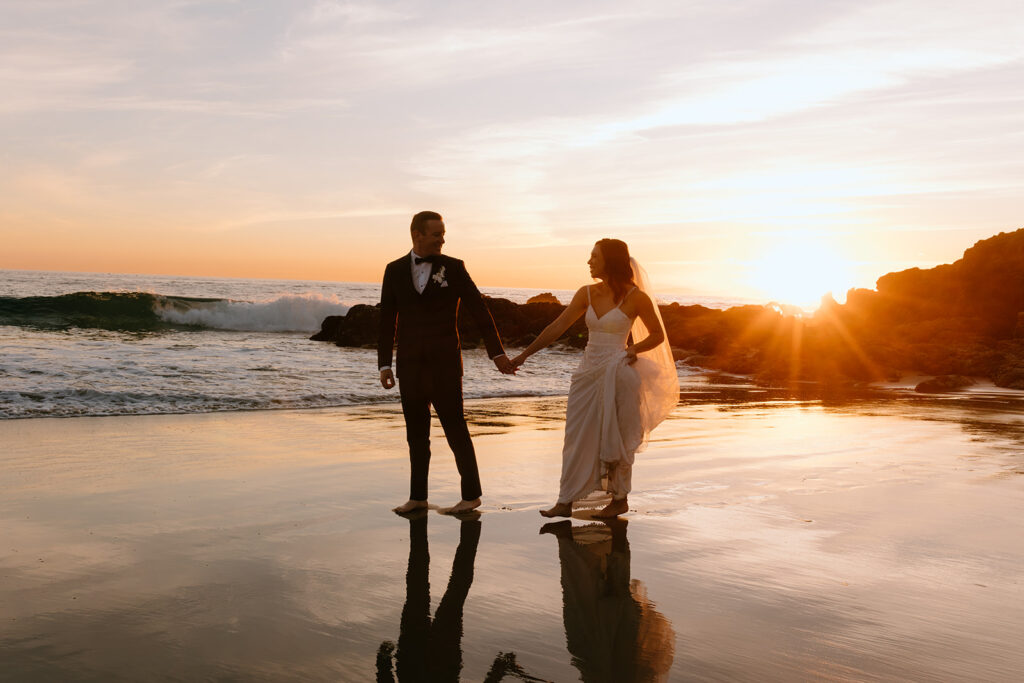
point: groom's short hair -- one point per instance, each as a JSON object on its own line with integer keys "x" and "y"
{"x": 419, "y": 221}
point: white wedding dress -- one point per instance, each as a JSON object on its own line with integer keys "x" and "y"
{"x": 612, "y": 405}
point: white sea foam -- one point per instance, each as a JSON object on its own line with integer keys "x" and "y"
{"x": 209, "y": 366}
{"x": 289, "y": 313}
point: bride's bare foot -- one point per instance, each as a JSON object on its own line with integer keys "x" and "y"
{"x": 462, "y": 507}
{"x": 613, "y": 509}
{"x": 409, "y": 506}
{"x": 558, "y": 510}
{"x": 562, "y": 529}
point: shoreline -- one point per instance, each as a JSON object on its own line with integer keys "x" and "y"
{"x": 767, "y": 539}
{"x": 705, "y": 383}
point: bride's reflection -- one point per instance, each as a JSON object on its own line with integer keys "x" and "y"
{"x": 430, "y": 649}
{"x": 613, "y": 631}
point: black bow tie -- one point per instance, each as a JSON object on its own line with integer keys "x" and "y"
{"x": 424, "y": 259}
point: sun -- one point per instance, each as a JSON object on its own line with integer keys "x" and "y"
{"x": 799, "y": 271}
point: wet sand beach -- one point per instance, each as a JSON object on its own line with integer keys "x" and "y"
{"x": 770, "y": 538}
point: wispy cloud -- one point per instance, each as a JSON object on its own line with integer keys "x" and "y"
{"x": 661, "y": 121}
{"x": 783, "y": 136}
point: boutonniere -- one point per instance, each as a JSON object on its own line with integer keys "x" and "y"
{"x": 439, "y": 277}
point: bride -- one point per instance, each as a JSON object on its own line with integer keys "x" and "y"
{"x": 624, "y": 387}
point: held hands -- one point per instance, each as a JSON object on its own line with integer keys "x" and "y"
{"x": 504, "y": 365}
{"x": 387, "y": 377}
{"x": 519, "y": 360}
{"x": 630, "y": 354}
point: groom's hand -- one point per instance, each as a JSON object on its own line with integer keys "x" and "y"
{"x": 504, "y": 365}
{"x": 387, "y": 378}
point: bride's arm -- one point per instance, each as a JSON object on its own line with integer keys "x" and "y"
{"x": 645, "y": 309}
{"x": 558, "y": 326}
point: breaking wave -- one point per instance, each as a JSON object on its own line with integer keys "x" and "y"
{"x": 144, "y": 311}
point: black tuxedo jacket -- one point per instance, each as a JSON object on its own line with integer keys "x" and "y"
{"x": 424, "y": 325}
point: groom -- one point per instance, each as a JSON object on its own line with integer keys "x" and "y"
{"x": 419, "y": 305}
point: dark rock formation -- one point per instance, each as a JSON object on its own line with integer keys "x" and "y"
{"x": 544, "y": 298}
{"x": 964, "y": 318}
{"x": 943, "y": 383}
{"x": 684, "y": 355}
{"x": 961, "y": 318}
{"x": 518, "y": 325}
{"x": 359, "y": 327}
{"x": 1010, "y": 373}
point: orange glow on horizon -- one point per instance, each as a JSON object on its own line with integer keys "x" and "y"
{"x": 800, "y": 270}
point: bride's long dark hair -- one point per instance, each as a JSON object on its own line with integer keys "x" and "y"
{"x": 617, "y": 272}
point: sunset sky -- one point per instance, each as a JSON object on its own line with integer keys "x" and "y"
{"x": 768, "y": 149}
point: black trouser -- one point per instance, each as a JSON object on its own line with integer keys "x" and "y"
{"x": 432, "y": 650}
{"x": 420, "y": 388}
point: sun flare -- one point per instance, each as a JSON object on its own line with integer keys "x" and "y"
{"x": 800, "y": 271}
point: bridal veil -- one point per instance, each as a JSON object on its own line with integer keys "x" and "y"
{"x": 659, "y": 382}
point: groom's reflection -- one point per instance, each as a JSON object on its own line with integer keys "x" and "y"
{"x": 613, "y": 631}
{"x": 431, "y": 649}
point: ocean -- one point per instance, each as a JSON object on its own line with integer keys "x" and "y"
{"x": 771, "y": 536}
{"x": 78, "y": 344}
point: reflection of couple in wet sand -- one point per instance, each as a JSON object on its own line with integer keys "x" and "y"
{"x": 612, "y": 630}
{"x": 430, "y": 649}
{"x": 625, "y": 385}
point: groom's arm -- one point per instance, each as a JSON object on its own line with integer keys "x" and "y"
{"x": 388, "y": 322}
{"x": 473, "y": 300}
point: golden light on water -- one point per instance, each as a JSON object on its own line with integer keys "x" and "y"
{"x": 800, "y": 269}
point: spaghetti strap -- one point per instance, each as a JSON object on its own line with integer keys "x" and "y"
{"x": 625, "y": 297}
{"x": 588, "y": 295}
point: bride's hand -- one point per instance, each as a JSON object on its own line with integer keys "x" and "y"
{"x": 519, "y": 360}
{"x": 630, "y": 355}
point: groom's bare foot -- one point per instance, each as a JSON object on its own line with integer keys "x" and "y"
{"x": 462, "y": 507}
{"x": 558, "y": 510}
{"x": 409, "y": 506}
{"x": 613, "y": 509}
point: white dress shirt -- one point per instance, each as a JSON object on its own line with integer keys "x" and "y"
{"x": 420, "y": 273}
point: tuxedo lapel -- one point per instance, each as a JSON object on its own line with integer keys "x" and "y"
{"x": 431, "y": 283}
{"x": 405, "y": 277}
